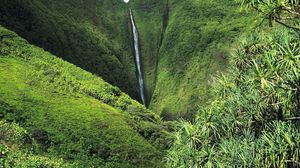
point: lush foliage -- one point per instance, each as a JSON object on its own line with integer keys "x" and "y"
{"x": 246, "y": 116}
{"x": 94, "y": 35}
{"x": 284, "y": 12}
{"x": 73, "y": 114}
{"x": 15, "y": 152}
{"x": 196, "y": 43}
{"x": 254, "y": 120}
{"x": 178, "y": 39}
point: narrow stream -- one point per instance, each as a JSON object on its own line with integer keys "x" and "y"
{"x": 137, "y": 58}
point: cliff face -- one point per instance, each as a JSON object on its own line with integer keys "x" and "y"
{"x": 184, "y": 44}
{"x": 149, "y": 21}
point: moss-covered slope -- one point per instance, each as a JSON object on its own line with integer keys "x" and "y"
{"x": 71, "y": 113}
{"x": 94, "y": 35}
{"x": 188, "y": 44}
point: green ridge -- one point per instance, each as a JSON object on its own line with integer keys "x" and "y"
{"x": 73, "y": 114}
{"x": 94, "y": 35}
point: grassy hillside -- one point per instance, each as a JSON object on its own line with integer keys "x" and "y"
{"x": 73, "y": 114}
{"x": 190, "y": 41}
{"x": 94, "y": 35}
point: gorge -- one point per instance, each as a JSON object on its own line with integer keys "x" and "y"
{"x": 149, "y": 83}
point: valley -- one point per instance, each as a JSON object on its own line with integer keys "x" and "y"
{"x": 149, "y": 83}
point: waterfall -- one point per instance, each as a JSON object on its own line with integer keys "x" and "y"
{"x": 137, "y": 58}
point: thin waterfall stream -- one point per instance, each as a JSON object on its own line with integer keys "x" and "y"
{"x": 137, "y": 57}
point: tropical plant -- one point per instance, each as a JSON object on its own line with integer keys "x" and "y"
{"x": 284, "y": 12}
{"x": 251, "y": 122}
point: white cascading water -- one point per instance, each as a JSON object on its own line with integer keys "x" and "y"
{"x": 137, "y": 58}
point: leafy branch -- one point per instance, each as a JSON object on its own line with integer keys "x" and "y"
{"x": 284, "y": 12}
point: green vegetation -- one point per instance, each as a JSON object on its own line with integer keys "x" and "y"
{"x": 253, "y": 121}
{"x": 284, "y": 12}
{"x": 178, "y": 40}
{"x": 94, "y": 35}
{"x": 73, "y": 114}
{"x": 230, "y": 75}
{"x": 253, "y": 118}
{"x": 197, "y": 41}
{"x": 13, "y": 152}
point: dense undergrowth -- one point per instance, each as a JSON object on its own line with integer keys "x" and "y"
{"x": 253, "y": 122}
{"x": 254, "y": 119}
{"x": 14, "y": 153}
{"x": 73, "y": 114}
{"x": 94, "y": 35}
